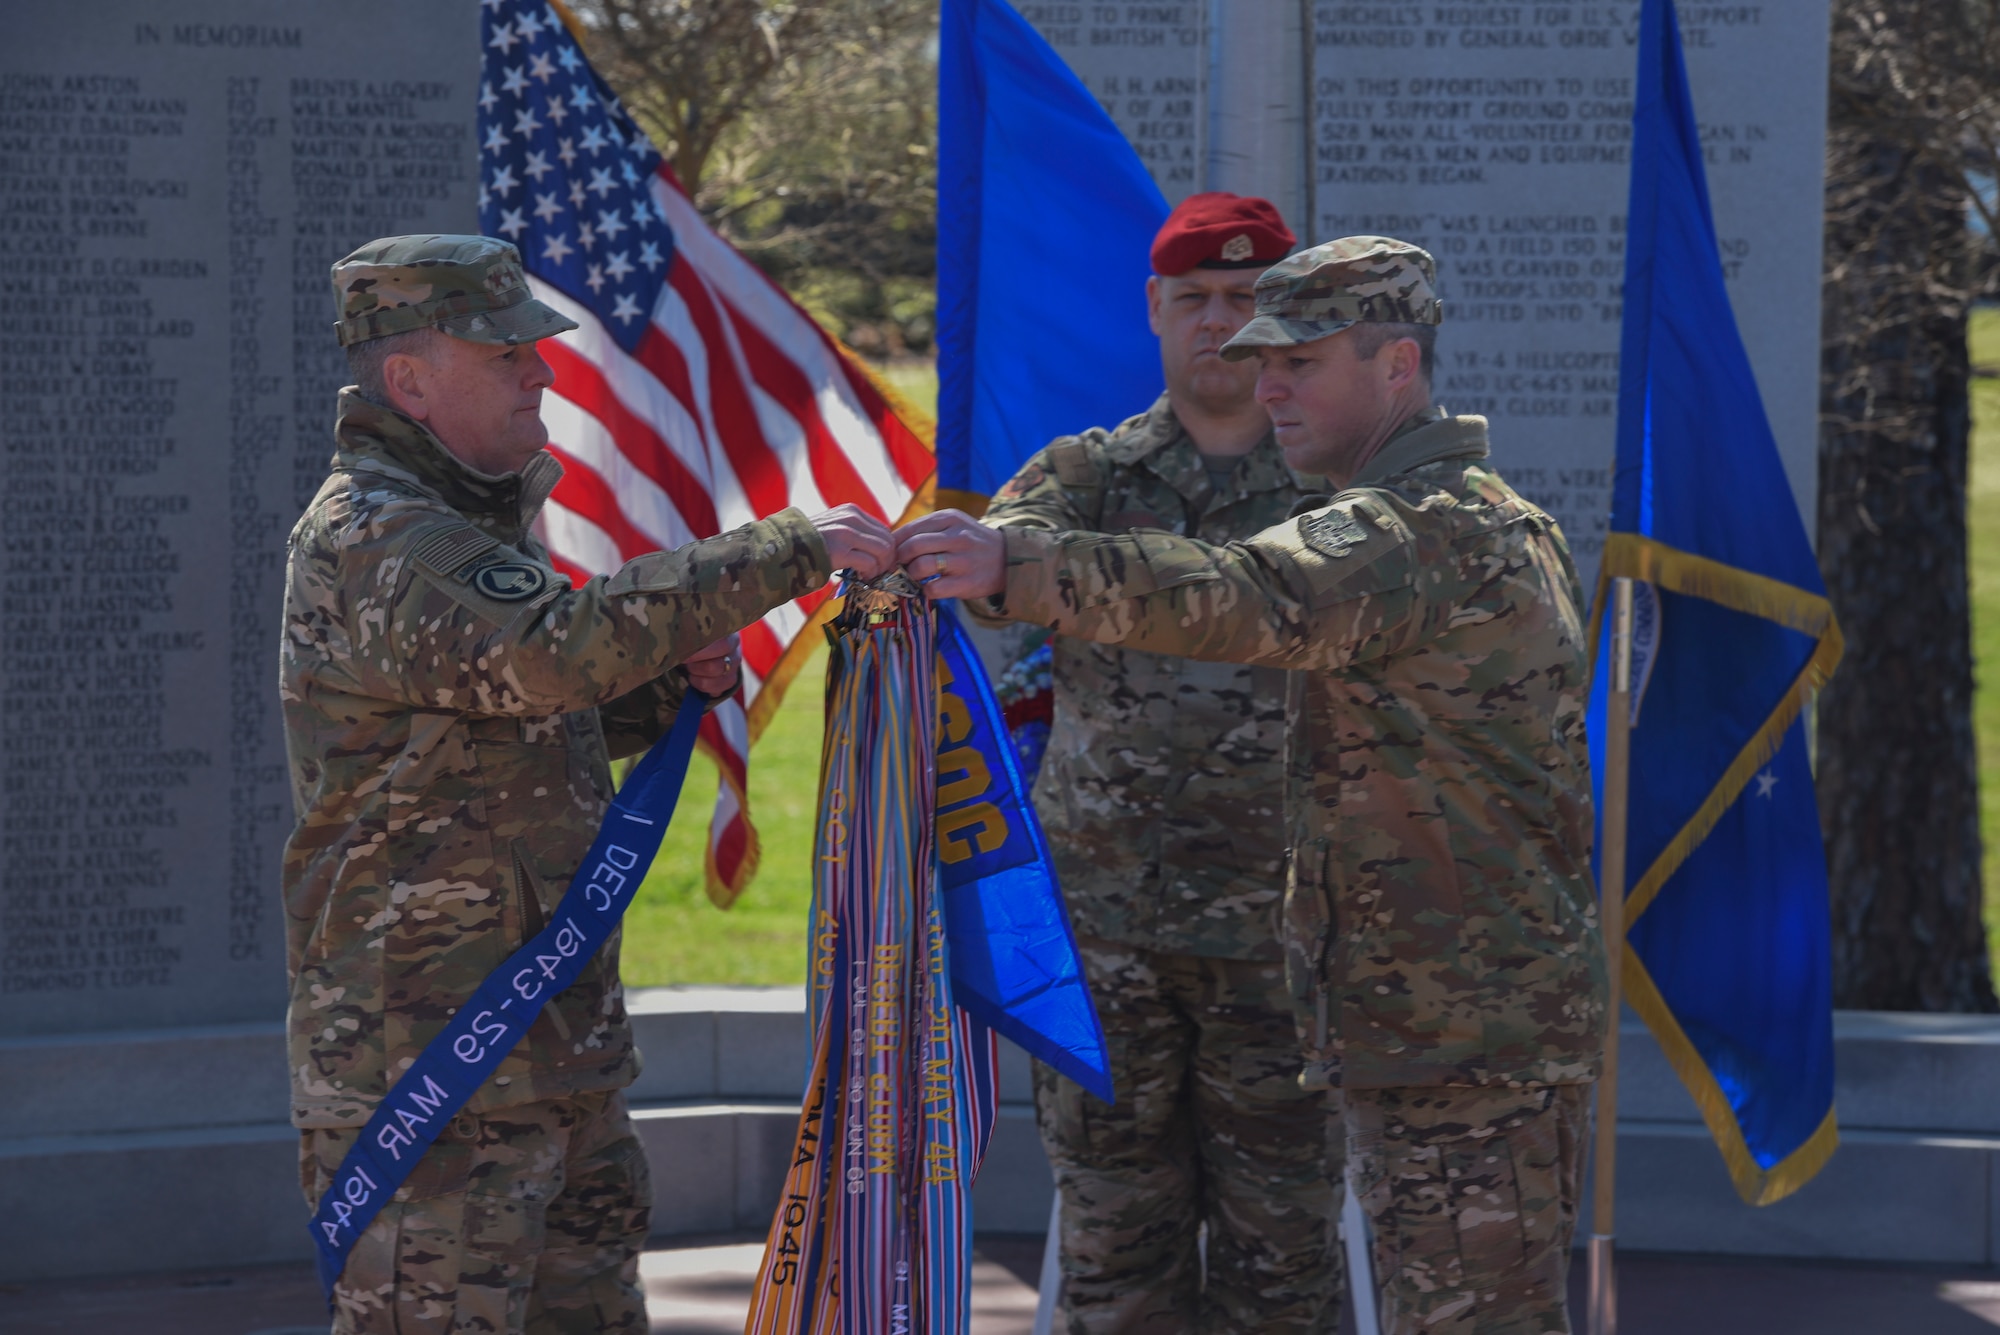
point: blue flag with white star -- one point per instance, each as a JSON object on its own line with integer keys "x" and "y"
{"x": 565, "y": 174}
{"x": 1728, "y": 955}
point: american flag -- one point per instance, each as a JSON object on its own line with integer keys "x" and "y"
{"x": 696, "y": 395}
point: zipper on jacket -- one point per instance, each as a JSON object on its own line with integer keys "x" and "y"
{"x": 533, "y": 916}
{"x": 533, "y": 919}
{"x": 1322, "y": 846}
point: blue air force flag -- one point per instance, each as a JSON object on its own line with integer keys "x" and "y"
{"x": 1728, "y": 954}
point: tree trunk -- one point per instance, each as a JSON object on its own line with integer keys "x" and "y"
{"x": 1897, "y": 766}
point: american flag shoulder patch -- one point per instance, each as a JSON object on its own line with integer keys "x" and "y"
{"x": 450, "y": 548}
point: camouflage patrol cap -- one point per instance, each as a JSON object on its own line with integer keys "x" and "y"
{"x": 1322, "y": 291}
{"x": 471, "y": 287}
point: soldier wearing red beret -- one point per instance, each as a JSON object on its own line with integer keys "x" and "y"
{"x": 1161, "y": 790}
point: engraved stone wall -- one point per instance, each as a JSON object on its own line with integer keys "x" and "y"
{"x": 174, "y": 182}
{"x": 1148, "y": 65}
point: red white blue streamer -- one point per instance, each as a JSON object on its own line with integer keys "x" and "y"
{"x": 872, "y": 1235}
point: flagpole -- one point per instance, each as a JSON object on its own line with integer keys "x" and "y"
{"x": 1617, "y": 775}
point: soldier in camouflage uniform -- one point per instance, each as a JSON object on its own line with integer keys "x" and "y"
{"x": 451, "y": 705}
{"x": 1440, "y": 917}
{"x": 1162, "y": 795}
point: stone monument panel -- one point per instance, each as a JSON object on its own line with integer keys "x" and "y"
{"x": 1498, "y": 137}
{"x": 1149, "y": 65}
{"x": 174, "y": 182}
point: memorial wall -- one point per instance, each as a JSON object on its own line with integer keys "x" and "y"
{"x": 1497, "y": 136}
{"x": 174, "y": 182}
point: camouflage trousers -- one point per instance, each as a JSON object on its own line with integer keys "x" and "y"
{"x": 1472, "y": 1198}
{"x": 524, "y": 1221}
{"x": 1210, "y": 1127}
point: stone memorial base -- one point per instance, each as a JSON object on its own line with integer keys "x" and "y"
{"x": 168, "y": 1149}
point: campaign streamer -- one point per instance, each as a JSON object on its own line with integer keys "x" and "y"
{"x": 872, "y": 1234}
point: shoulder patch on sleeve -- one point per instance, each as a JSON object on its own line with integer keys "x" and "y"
{"x": 1023, "y": 482}
{"x": 449, "y": 549}
{"x": 1347, "y": 550}
{"x": 1073, "y": 463}
{"x": 482, "y": 574}
{"x": 1332, "y": 532}
{"x": 510, "y": 581}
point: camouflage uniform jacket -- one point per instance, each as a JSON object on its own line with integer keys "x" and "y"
{"x": 1440, "y": 917}
{"x": 1162, "y": 790}
{"x": 450, "y": 706}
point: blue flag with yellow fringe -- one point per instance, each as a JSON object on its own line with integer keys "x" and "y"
{"x": 1728, "y": 952}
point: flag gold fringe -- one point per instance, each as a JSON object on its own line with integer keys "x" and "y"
{"x": 569, "y": 18}
{"x": 951, "y": 498}
{"x": 1634, "y": 556}
{"x": 1757, "y": 1186}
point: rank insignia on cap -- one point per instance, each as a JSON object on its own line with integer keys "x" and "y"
{"x": 1238, "y": 247}
{"x": 1334, "y": 532}
{"x": 510, "y": 581}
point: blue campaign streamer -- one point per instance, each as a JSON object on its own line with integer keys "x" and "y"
{"x": 494, "y": 1019}
{"x": 1014, "y": 960}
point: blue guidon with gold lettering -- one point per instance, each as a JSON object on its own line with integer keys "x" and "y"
{"x": 1013, "y": 959}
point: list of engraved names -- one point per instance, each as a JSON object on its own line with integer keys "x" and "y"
{"x": 169, "y": 204}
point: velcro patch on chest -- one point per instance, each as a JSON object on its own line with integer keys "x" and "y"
{"x": 1073, "y": 464}
{"x": 1023, "y": 482}
{"x": 1333, "y": 532}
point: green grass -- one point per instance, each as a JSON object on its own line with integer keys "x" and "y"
{"x": 1983, "y": 523}
{"x": 673, "y": 934}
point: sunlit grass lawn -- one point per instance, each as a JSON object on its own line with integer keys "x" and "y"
{"x": 673, "y": 934}
{"x": 1983, "y": 520}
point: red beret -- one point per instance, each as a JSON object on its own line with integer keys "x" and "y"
{"x": 1218, "y": 230}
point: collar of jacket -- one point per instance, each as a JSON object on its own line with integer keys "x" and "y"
{"x": 375, "y": 439}
{"x": 1163, "y": 444}
{"x": 1427, "y": 437}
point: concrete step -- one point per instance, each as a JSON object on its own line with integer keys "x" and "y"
{"x": 143, "y": 1080}
{"x": 720, "y": 1167}
{"x": 1885, "y": 1196}
{"x": 170, "y": 1148}
{"x": 111, "y": 1202}
{"x": 107, "y": 1202}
